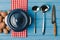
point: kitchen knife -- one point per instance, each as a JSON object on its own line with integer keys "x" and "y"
{"x": 54, "y": 18}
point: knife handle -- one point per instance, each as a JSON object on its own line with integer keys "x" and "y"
{"x": 55, "y": 29}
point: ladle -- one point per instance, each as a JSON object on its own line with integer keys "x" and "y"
{"x": 44, "y": 9}
{"x": 35, "y": 9}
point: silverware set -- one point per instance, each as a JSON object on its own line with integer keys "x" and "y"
{"x": 44, "y": 9}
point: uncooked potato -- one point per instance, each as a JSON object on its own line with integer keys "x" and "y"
{"x": 8, "y": 28}
{"x": 4, "y": 14}
{"x": 1, "y": 18}
{"x": 2, "y": 25}
{"x": 5, "y": 31}
{"x": 0, "y": 30}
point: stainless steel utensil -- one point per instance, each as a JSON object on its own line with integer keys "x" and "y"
{"x": 44, "y": 9}
{"x": 35, "y": 9}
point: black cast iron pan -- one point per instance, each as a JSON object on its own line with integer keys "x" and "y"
{"x": 18, "y": 20}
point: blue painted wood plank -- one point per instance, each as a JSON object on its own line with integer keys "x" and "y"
{"x": 49, "y": 34}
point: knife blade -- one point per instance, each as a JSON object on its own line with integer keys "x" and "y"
{"x": 53, "y": 15}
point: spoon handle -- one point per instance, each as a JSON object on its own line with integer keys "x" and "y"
{"x": 43, "y": 23}
{"x": 35, "y": 23}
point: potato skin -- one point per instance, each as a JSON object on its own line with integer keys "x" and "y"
{"x": 2, "y": 25}
{"x": 1, "y": 31}
{"x": 4, "y": 20}
{"x": 1, "y": 18}
{"x": 5, "y": 31}
{"x": 3, "y": 14}
{"x": 8, "y": 28}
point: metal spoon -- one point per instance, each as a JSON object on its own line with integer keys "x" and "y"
{"x": 35, "y": 9}
{"x": 44, "y": 9}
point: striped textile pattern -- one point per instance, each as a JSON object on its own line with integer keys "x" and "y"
{"x": 22, "y": 4}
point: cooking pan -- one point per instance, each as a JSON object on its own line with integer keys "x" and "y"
{"x": 18, "y": 20}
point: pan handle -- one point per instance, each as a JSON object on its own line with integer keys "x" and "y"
{"x": 29, "y": 20}
{"x": 6, "y": 20}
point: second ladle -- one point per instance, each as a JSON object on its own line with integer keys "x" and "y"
{"x": 44, "y": 9}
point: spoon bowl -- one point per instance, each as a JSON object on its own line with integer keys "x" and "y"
{"x": 35, "y": 8}
{"x": 44, "y": 8}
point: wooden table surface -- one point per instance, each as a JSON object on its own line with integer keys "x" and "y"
{"x": 49, "y": 34}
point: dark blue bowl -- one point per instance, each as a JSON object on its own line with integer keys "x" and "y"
{"x": 18, "y": 20}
